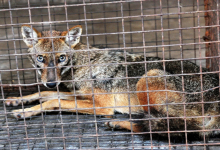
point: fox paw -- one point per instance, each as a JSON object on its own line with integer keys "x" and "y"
{"x": 20, "y": 113}
{"x": 113, "y": 125}
{"x": 15, "y": 102}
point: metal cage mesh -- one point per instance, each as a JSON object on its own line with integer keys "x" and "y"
{"x": 171, "y": 29}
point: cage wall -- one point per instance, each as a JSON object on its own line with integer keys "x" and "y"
{"x": 168, "y": 29}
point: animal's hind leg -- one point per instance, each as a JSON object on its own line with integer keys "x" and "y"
{"x": 155, "y": 97}
{"x": 124, "y": 125}
{"x": 156, "y": 94}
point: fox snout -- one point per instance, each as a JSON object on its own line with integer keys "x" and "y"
{"x": 51, "y": 78}
{"x": 50, "y": 74}
{"x": 51, "y": 85}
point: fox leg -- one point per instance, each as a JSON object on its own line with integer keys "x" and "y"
{"x": 155, "y": 97}
{"x": 44, "y": 96}
{"x": 124, "y": 125}
{"x": 81, "y": 106}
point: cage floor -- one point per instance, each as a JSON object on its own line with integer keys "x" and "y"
{"x": 78, "y": 131}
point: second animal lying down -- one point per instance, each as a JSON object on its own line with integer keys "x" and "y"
{"x": 105, "y": 73}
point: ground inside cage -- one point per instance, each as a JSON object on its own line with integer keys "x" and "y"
{"x": 79, "y": 131}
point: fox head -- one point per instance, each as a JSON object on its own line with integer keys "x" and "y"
{"x": 49, "y": 53}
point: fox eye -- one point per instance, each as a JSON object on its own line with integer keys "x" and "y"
{"x": 62, "y": 58}
{"x": 40, "y": 58}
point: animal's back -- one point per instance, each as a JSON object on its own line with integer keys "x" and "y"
{"x": 104, "y": 66}
{"x": 114, "y": 72}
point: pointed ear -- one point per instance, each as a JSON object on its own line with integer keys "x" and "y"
{"x": 30, "y": 35}
{"x": 72, "y": 36}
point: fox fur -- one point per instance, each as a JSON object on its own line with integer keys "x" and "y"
{"x": 104, "y": 82}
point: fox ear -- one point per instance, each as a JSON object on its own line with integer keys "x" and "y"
{"x": 72, "y": 36}
{"x": 30, "y": 35}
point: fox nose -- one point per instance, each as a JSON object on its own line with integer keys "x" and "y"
{"x": 51, "y": 85}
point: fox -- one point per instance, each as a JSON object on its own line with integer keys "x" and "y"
{"x": 159, "y": 95}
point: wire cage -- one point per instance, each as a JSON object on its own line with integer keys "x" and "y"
{"x": 167, "y": 29}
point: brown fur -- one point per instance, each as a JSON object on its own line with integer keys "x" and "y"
{"x": 102, "y": 88}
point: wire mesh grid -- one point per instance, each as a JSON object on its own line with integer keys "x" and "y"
{"x": 172, "y": 30}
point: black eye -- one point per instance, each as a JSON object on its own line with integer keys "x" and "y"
{"x": 62, "y": 58}
{"x": 40, "y": 58}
